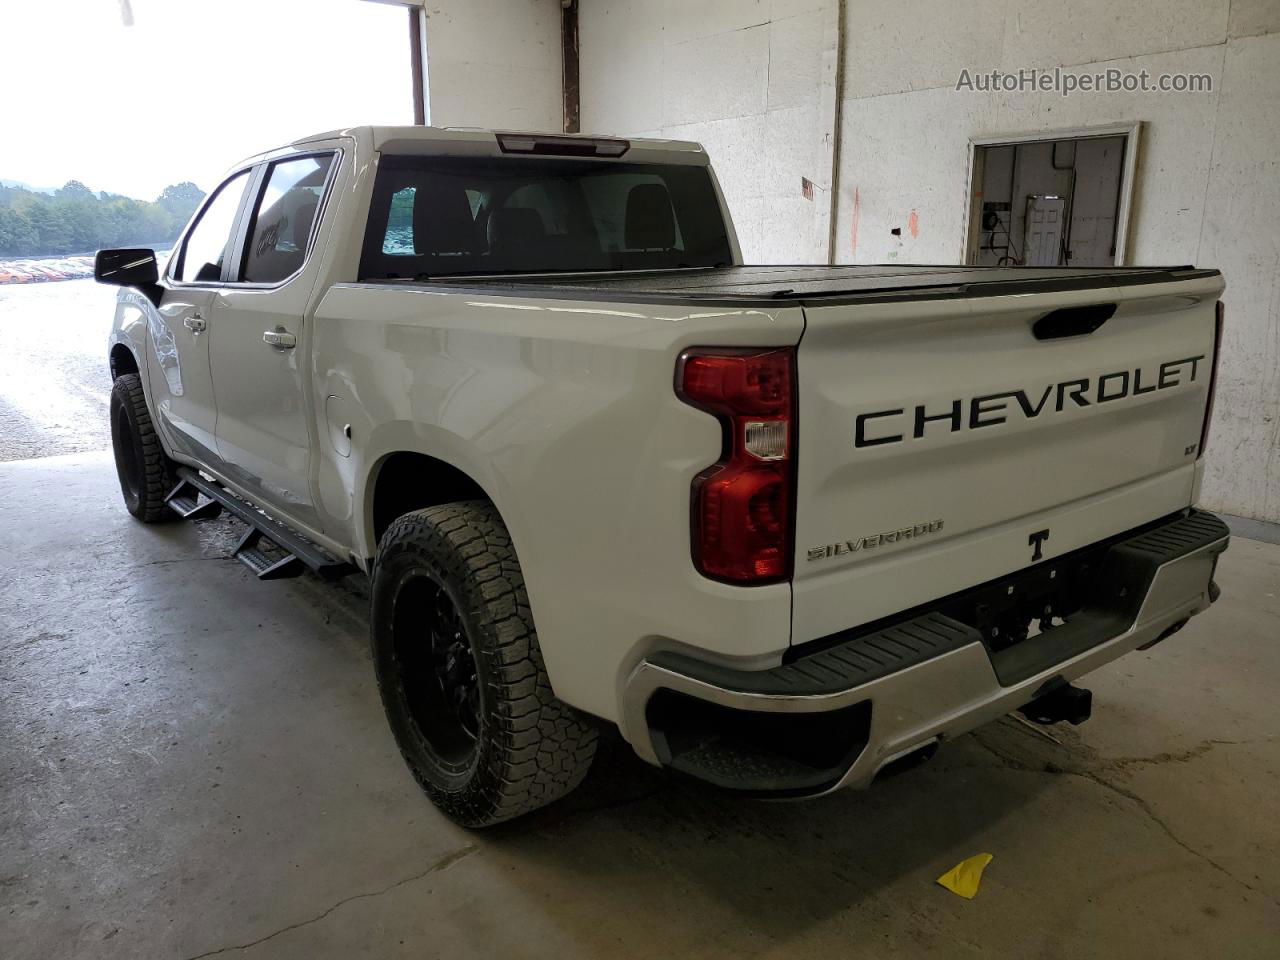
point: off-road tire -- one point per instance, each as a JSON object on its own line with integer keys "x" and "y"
{"x": 146, "y": 473}
{"x": 530, "y": 749}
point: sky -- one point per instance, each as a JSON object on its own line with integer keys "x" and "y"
{"x": 190, "y": 88}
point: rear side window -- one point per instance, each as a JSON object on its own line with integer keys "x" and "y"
{"x": 397, "y": 239}
{"x": 451, "y": 216}
{"x": 283, "y": 219}
{"x": 205, "y": 249}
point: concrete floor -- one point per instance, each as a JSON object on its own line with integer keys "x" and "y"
{"x": 195, "y": 764}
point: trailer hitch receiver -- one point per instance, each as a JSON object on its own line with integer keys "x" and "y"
{"x": 1059, "y": 700}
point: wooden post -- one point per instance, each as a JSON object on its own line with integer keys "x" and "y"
{"x": 415, "y": 43}
{"x": 569, "y": 65}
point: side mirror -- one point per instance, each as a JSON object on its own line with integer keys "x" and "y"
{"x": 126, "y": 268}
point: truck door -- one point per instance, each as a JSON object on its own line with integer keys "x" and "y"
{"x": 181, "y": 384}
{"x": 258, "y": 348}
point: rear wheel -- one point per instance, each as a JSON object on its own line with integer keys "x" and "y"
{"x": 146, "y": 473}
{"x": 461, "y": 673}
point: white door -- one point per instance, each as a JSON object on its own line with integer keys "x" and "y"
{"x": 1044, "y": 227}
{"x": 181, "y": 384}
{"x": 258, "y": 350}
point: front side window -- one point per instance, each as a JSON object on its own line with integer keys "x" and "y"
{"x": 451, "y": 216}
{"x": 205, "y": 249}
{"x": 283, "y": 218}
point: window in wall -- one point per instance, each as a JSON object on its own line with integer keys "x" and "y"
{"x": 205, "y": 249}
{"x": 1057, "y": 201}
{"x": 283, "y": 219}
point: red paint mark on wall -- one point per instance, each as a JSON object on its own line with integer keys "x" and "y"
{"x": 853, "y": 230}
{"x": 913, "y": 224}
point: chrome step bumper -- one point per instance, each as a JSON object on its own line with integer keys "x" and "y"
{"x": 903, "y": 686}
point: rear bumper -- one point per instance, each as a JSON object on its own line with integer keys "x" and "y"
{"x": 836, "y": 717}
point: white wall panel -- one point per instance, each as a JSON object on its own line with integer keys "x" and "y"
{"x": 752, "y": 80}
{"x": 1242, "y": 236}
{"x": 621, "y": 65}
{"x": 715, "y": 77}
{"x": 1047, "y": 33}
{"x": 1249, "y": 18}
{"x": 796, "y": 66}
{"x": 694, "y": 19}
{"x": 494, "y": 63}
{"x": 918, "y": 44}
{"x": 905, "y": 152}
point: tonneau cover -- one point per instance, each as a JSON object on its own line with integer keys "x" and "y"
{"x": 820, "y": 283}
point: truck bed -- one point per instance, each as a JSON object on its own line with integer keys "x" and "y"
{"x": 817, "y": 284}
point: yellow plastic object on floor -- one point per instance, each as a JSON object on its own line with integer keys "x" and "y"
{"x": 964, "y": 877}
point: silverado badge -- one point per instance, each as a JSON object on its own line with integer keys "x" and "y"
{"x": 874, "y": 540}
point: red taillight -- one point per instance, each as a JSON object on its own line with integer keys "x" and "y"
{"x": 743, "y": 505}
{"x": 1213, "y": 379}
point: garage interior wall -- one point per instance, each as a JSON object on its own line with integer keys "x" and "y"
{"x": 752, "y": 80}
{"x": 494, "y": 63}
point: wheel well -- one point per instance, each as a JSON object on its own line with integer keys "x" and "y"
{"x": 122, "y": 361}
{"x": 411, "y": 481}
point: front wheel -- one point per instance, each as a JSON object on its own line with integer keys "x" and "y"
{"x": 146, "y": 473}
{"x": 461, "y": 673}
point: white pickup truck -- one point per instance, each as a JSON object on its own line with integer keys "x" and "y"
{"x": 785, "y": 527}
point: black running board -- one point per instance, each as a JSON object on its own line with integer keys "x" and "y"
{"x": 197, "y": 498}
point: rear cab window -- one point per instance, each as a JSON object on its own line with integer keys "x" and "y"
{"x": 454, "y": 216}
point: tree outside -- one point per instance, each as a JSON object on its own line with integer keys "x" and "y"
{"x": 76, "y": 220}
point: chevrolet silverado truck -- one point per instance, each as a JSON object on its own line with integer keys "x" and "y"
{"x": 785, "y": 527}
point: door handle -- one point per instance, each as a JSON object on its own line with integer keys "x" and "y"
{"x": 195, "y": 323}
{"x": 280, "y": 338}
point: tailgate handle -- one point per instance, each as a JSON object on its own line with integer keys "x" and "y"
{"x": 1072, "y": 321}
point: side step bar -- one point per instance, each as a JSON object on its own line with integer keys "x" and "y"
{"x": 196, "y": 498}
{"x": 263, "y": 566}
{"x": 184, "y": 500}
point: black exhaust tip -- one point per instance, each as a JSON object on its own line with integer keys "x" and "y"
{"x": 1062, "y": 702}
{"x": 908, "y": 761}
{"x": 1169, "y": 632}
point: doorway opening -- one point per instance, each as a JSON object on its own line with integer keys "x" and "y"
{"x": 1052, "y": 200}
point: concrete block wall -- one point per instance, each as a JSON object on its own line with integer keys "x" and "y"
{"x": 494, "y": 63}
{"x": 752, "y": 80}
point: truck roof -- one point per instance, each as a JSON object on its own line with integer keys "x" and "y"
{"x": 413, "y": 139}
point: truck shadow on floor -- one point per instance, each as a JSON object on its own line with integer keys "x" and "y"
{"x": 775, "y": 866}
{"x": 779, "y": 865}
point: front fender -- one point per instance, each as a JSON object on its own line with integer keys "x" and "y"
{"x": 130, "y": 326}
{"x": 129, "y": 330}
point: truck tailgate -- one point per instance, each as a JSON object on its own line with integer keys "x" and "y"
{"x": 943, "y": 444}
